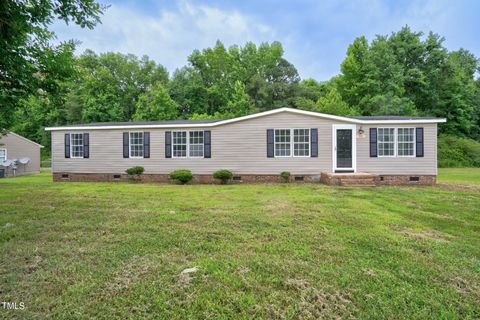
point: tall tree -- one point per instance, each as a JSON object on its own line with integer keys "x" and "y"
{"x": 46, "y": 107}
{"x": 155, "y": 104}
{"x": 352, "y": 84}
{"x": 458, "y": 95}
{"x": 109, "y": 85}
{"x": 28, "y": 61}
{"x": 405, "y": 74}
{"x": 275, "y": 83}
{"x": 209, "y": 83}
{"x": 239, "y": 104}
{"x": 332, "y": 103}
{"x": 310, "y": 90}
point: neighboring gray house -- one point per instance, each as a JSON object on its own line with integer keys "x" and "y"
{"x": 18, "y": 155}
{"x": 257, "y": 147}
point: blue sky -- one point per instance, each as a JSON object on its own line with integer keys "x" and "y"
{"x": 315, "y": 34}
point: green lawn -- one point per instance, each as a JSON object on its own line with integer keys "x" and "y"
{"x": 107, "y": 250}
{"x": 459, "y": 175}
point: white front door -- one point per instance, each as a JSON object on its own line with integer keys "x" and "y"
{"x": 344, "y": 142}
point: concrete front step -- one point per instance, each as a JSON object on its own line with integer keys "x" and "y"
{"x": 349, "y": 179}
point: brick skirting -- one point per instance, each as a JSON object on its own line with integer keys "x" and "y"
{"x": 208, "y": 179}
{"x": 406, "y": 179}
{"x": 165, "y": 178}
{"x": 368, "y": 179}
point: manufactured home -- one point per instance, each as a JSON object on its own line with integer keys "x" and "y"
{"x": 256, "y": 148}
{"x": 18, "y": 155}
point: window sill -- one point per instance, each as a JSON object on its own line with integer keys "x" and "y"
{"x": 188, "y": 157}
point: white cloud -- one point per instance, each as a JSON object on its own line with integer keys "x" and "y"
{"x": 315, "y": 34}
{"x": 168, "y": 36}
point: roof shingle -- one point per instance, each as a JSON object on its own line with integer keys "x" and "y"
{"x": 142, "y": 123}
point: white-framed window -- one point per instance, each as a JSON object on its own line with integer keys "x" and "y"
{"x": 188, "y": 144}
{"x": 406, "y": 142}
{"x": 136, "y": 144}
{"x": 283, "y": 143}
{"x": 3, "y": 154}
{"x": 292, "y": 142}
{"x": 76, "y": 145}
{"x": 386, "y": 142}
{"x": 301, "y": 142}
{"x": 179, "y": 144}
{"x": 196, "y": 145}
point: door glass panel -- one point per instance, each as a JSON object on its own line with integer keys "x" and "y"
{"x": 344, "y": 148}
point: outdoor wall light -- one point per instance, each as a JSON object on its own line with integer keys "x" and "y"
{"x": 361, "y": 131}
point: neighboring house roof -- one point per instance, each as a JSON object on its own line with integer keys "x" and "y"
{"x": 23, "y": 138}
{"x": 213, "y": 123}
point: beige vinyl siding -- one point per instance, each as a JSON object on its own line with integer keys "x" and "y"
{"x": 18, "y": 147}
{"x": 426, "y": 165}
{"x": 239, "y": 147}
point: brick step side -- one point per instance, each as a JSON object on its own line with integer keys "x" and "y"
{"x": 368, "y": 182}
{"x": 355, "y": 177}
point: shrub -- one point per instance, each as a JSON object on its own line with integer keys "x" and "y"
{"x": 223, "y": 175}
{"x": 285, "y": 175}
{"x": 135, "y": 171}
{"x": 454, "y": 152}
{"x": 182, "y": 175}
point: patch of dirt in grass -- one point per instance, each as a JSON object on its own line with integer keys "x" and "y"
{"x": 425, "y": 234}
{"x": 458, "y": 187}
{"x": 320, "y": 304}
{"x": 34, "y": 264}
{"x": 183, "y": 280}
{"x": 422, "y": 234}
{"x": 243, "y": 270}
{"x": 278, "y": 206}
{"x": 465, "y": 287}
{"x": 130, "y": 273}
{"x": 369, "y": 272}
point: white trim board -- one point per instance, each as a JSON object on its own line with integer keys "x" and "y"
{"x": 251, "y": 116}
{"x": 4, "y": 149}
{"x": 334, "y": 146}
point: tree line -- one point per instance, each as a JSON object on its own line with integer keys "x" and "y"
{"x": 404, "y": 73}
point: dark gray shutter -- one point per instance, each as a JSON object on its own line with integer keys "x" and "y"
{"x": 419, "y": 141}
{"x": 373, "y": 142}
{"x": 126, "y": 152}
{"x": 86, "y": 145}
{"x": 67, "y": 145}
{"x": 207, "y": 144}
{"x": 168, "y": 144}
{"x": 146, "y": 144}
{"x": 314, "y": 142}
{"x": 270, "y": 143}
